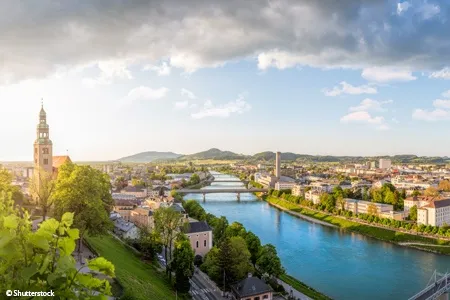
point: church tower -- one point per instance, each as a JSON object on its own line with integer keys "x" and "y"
{"x": 43, "y": 145}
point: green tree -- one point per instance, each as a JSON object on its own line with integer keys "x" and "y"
{"x": 6, "y": 186}
{"x": 444, "y": 185}
{"x": 219, "y": 228}
{"x": 85, "y": 192}
{"x": 253, "y": 246}
{"x": 149, "y": 243}
{"x": 415, "y": 193}
{"x": 169, "y": 225}
{"x": 235, "y": 229}
{"x": 234, "y": 259}
{"x": 195, "y": 179}
{"x": 432, "y": 192}
{"x": 120, "y": 182}
{"x": 413, "y": 213}
{"x": 372, "y": 210}
{"x": 42, "y": 187}
{"x": 182, "y": 263}
{"x": 42, "y": 260}
{"x": 340, "y": 202}
{"x": 269, "y": 262}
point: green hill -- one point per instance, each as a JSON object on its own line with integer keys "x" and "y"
{"x": 213, "y": 153}
{"x": 149, "y": 156}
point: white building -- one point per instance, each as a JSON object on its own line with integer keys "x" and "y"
{"x": 436, "y": 213}
{"x": 267, "y": 180}
{"x": 385, "y": 164}
{"x": 298, "y": 190}
{"x": 313, "y": 196}
{"x": 284, "y": 185}
{"x": 362, "y": 207}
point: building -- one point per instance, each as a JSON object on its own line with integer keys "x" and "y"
{"x": 251, "y": 288}
{"x": 44, "y": 161}
{"x": 138, "y": 192}
{"x": 298, "y": 190}
{"x": 385, "y": 164}
{"x": 278, "y": 165}
{"x": 363, "y": 207}
{"x": 200, "y": 236}
{"x": 313, "y": 196}
{"x": 435, "y": 213}
{"x": 284, "y": 185}
{"x": 267, "y": 180}
{"x": 418, "y": 201}
{"x": 125, "y": 229}
{"x": 142, "y": 217}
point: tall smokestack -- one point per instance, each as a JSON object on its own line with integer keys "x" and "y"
{"x": 278, "y": 165}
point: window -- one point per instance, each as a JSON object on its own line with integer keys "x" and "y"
{"x": 204, "y": 243}
{"x": 45, "y": 161}
{"x": 45, "y": 151}
{"x": 266, "y": 297}
{"x": 197, "y": 244}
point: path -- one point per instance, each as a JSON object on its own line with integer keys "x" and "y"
{"x": 202, "y": 288}
{"x": 421, "y": 244}
{"x": 295, "y": 293}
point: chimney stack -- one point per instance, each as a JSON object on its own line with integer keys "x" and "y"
{"x": 278, "y": 165}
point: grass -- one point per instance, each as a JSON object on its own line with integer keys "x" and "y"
{"x": 138, "y": 279}
{"x": 371, "y": 231}
{"x": 303, "y": 288}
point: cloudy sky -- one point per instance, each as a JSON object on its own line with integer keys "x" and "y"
{"x": 117, "y": 77}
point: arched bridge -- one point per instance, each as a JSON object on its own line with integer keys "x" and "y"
{"x": 437, "y": 288}
{"x": 237, "y": 191}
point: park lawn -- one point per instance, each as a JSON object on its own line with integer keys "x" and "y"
{"x": 138, "y": 279}
{"x": 371, "y": 231}
{"x": 303, "y": 288}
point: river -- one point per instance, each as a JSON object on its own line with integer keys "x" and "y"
{"x": 342, "y": 265}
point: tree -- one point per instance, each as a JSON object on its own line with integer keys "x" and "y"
{"x": 340, "y": 202}
{"x": 149, "y": 243}
{"x": 234, "y": 259}
{"x": 182, "y": 263}
{"x": 42, "y": 187}
{"x": 120, "y": 183}
{"x": 42, "y": 260}
{"x": 7, "y": 187}
{"x": 235, "y": 229}
{"x": 85, "y": 192}
{"x": 431, "y": 192}
{"x": 415, "y": 193}
{"x": 269, "y": 262}
{"x": 137, "y": 182}
{"x": 219, "y": 228}
{"x": 372, "y": 210}
{"x": 253, "y": 246}
{"x": 211, "y": 264}
{"x": 169, "y": 224}
{"x": 413, "y": 213}
{"x": 444, "y": 185}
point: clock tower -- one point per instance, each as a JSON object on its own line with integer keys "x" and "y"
{"x": 43, "y": 151}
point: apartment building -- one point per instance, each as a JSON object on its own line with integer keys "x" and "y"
{"x": 435, "y": 213}
{"x": 284, "y": 185}
{"x": 267, "y": 180}
{"x": 362, "y": 207}
{"x": 142, "y": 217}
{"x": 298, "y": 190}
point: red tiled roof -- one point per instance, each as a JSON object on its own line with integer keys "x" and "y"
{"x": 59, "y": 160}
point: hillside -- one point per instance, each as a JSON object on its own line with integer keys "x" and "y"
{"x": 149, "y": 156}
{"x": 213, "y": 153}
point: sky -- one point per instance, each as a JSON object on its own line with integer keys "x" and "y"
{"x": 120, "y": 77}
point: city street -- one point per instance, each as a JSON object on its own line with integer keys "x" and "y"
{"x": 203, "y": 289}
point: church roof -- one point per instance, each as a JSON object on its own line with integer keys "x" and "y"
{"x": 59, "y": 160}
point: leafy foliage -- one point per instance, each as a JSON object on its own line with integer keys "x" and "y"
{"x": 182, "y": 263}
{"x": 42, "y": 260}
{"x": 268, "y": 261}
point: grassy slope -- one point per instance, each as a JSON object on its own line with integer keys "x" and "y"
{"x": 139, "y": 280}
{"x": 301, "y": 287}
{"x": 371, "y": 231}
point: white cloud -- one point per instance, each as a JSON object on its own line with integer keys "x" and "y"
{"x": 394, "y": 120}
{"x": 370, "y": 104}
{"x": 162, "y": 70}
{"x": 446, "y": 94}
{"x": 441, "y": 74}
{"x": 402, "y": 7}
{"x": 428, "y": 11}
{"x": 347, "y": 88}
{"x": 109, "y": 71}
{"x": 146, "y": 93}
{"x": 439, "y": 103}
{"x": 238, "y": 106}
{"x": 188, "y": 93}
{"x": 361, "y": 117}
{"x": 431, "y": 115}
{"x": 181, "y": 104}
{"x": 387, "y": 74}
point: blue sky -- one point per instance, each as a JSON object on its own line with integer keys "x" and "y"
{"x": 355, "y": 79}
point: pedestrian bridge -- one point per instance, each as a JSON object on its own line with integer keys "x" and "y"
{"x": 437, "y": 288}
{"x": 237, "y": 191}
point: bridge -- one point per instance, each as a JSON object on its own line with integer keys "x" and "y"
{"x": 437, "y": 288}
{"x": 237, "y": 191}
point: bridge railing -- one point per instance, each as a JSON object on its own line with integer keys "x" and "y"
{"x": 430, "y": 287}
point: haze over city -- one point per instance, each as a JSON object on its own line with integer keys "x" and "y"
{"x": 358, "y": 78}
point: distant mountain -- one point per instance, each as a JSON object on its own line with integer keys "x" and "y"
{"x": 213, "y": 153}
{"x": 149, "y": 156}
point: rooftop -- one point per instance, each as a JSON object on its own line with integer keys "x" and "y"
{"x": 197, "y": 226}
{"x": 60, "y": 160}
{"x": 250, "y": 286}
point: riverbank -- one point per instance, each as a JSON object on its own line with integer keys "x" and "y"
{"x": 384, "y": 234}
